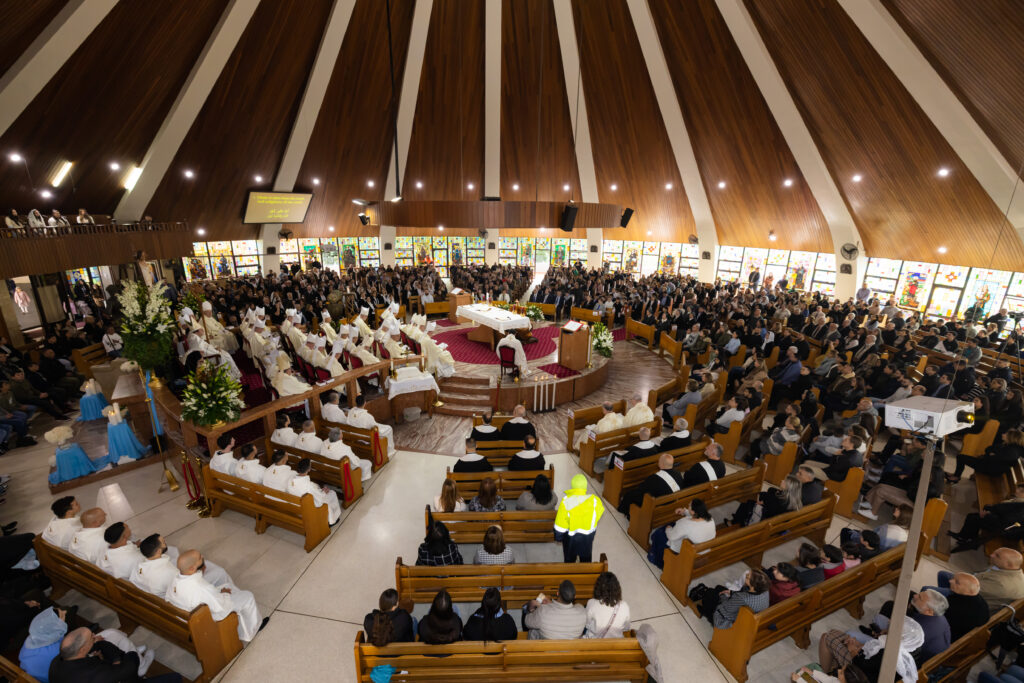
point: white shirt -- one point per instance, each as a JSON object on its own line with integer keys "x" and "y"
{"x": 333, "y": 413}
{"x": 301, "y": 484}
{"x": 223, "y": 462}
{"x": 250, "y": 470}
{"x": 88, "y": 544}
{"x": 361, "y": 417}
{"x": 278, "y": 476}
{"x": 309, "y": 441}
{"x": 639, "y": 414}
{"x": 112, "y": 342}
{"x": 285, "y": 436}
{"x": 122, "y": 562}
{"x": 337, "y": 450}
{"x": 59, "y": 531}
{"x": 188, "y": 592}
{"x": 697, "y": 530}
{"x": 599, "y": 618}
{"x": 154, "y": 576}
{"x": 528, "y": 454}
{"x": 609, "y": 423}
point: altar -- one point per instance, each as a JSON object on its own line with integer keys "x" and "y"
{"x": 491, "y": 322}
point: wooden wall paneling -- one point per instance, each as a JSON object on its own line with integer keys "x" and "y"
{"x": 977, "y": 49}
{"x": 734, "y": 136}
{"x": 244, "y": 125}
{"x": 446, "y": 151}
{"x": 489, "y": 215}
{"x": 20, "y": 24}
{"x": 352, "y": 139}
{"x": 865, "y": 123}
{"x": 631, "y": 147}
{"x": 105, "y": 104}
{"x": 531, "y": 66}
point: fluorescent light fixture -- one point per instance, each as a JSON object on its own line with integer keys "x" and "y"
{"x": 419, "y": 184}
{"x": 470, "y": 186}
{"x": 15, "y": 157}
{"x": 45, "y": 194}
{"x": 721, "y": 184}
{"x": 788, "y": 182}
{"x": 65, "y": 168}
{"x": 114, "y": 166}
{"x": 360, "y": 202}
{"x": 440, "y": 227}
{"x": 396, "y": 199}
{"x": 133, "y": 177}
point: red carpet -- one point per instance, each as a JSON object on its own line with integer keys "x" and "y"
{"x": 559, "y": 371}
{"x": 619, "y": 334}
{"x": 466, "y": 351}
{"x": 444, "y": 322}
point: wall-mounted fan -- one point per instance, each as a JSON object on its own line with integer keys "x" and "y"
{"x": 849, "y": 251}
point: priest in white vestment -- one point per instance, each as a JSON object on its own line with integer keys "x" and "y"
{"x": 638, "y": 413}
{"x": 65, "y": 522}
{"x": 285, "y": 381}
{"x": 197, "y": 342}
{"x": 122, "y": 557}
{"x": 301, "y": 484}
{"x": 332, "y": 411}
{"x": 335, "y": 449}
{"x": 279, "y": 473}
{"x": 510, "y": 340}
{"x": 318, "y": 358}
{"x": 87, "y": 543}
{"x": 284, "y": 434}
{"x": 189, "y": 589}
{"x": 327, "y": 327}
{"x": 361, "y": 417}
{"x": 249, "y": 468}
{"x": 308, "y": 440}
{"x": 610, "y": 421}
{"x": 364, "y": 330}
{"x": 216, "y": 333}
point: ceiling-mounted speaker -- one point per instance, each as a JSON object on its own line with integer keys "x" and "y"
{"x": 626, "y": 215}
{"x": 490, "y": 245}
{"x": 593, "y": 248}
{"x": 363, "y": 218}
{"x": 271, "y": 250}
{"x": 568, "y": 217}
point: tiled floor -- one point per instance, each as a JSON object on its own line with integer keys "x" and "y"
{"x": 317, "y": 600}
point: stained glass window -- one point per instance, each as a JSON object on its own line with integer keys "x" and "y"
{"x": 669, "y": 259}
{"x": 915, "y": 285}
{"x": 984, "y": 292}
{"x": 801, "y": 269}
{"x": 753, "y": 257}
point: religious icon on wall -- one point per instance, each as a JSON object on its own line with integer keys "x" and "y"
{"x": 423, "y": 256}
{"x": 197, "y": 269}
{"x": 456, "y": 254}
{"x": 798, "y": 277}
{"x": 348, "y": 256}
{"x": 632, "y": 260}
{"x": 668, "y": 264}
{"x": 558, "y": 256}
{"x": 223, "y": 267}
{"x": 911, "y": 289}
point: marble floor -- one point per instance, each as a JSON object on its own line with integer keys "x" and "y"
{"x": 317, "y": 600}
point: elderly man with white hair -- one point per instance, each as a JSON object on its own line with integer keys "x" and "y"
{"x": 336, "y": 449}
{"x": 639, "y": 412}
{"x": 326, "y": 326}
{"x": 308, "y": 440}
{"x": 360, "y": 417}
{"x": 216, "y": 333}
{"x": 393, "y": 339}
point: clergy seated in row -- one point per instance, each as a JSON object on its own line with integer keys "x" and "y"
{"x": 609, "y": 422}
{"x": 472, "y": 461}
{"x": 87, "y": 543}
{"x": 528, "y": 459}
{"x": 158, "y": 567}
{"x": 308, "y": 440}
{"x": 223, "y": 459}
{"x": 301, "y": 484}
{"x": 364, "y": 329}
{"x": 361, "y": 418}
{"x": 285, "y": 379}
{"x": 278, "y": 474}
{"x": 679, "y": 438}
{"x": 439, "y": 360}
{"x": 121, "y": 557}
{"x": 335, "y": 449}
{"x": 641, "y": 449}
{"x": 331, "y": 410}
{"x": 326, "y": 327}
{"x": 486, "y": 431}
{"x": 710, "y": 469}
{"x": 284, "y": 434}
{"x": 639, "y": 412}
{"x": 665, "y": 481}
{"x": 248, "y": 467}
{"x": 290, "y": 328}
{"x": 65, "y": 522}
{"x": 190, "y": 589}
{"x": 197, "y": 342}
{"x": 518, "y": 426}
{"x": 216, "y": 333}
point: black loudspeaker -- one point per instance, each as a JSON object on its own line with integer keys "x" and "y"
{"x": 387, "y": 246}
{"x": 491, "y": 245}
{"x": 706, "y": 255}
{"x": 271, "y": 250}
{"x": 363, "y": 218}
{"x": 568, "y": 217}
{"x": 593, "y": 248}
{"x": 626, "y": 215}
{"x": 845, "y": 268}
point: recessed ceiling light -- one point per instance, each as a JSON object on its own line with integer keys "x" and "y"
{"x": 419, "y": 184}
{"x": 114, "y": 166}
{"x": 857, "y": 178}
{"x": 201, "y": 231}
{"x": 189, "y": 173}
{"x": 943, "y": 172}
{"x": 440, "y": 227}
{"x": 650, "y": 232}
{"x": 942, "y": 250}
{"x": 565, "y": 187}
{"x": 45, "y": 194}
{"x": 668, "y": 186}
{"x": 772, "y": 236}
{"x": 14, "y": 156}
{"x": 370, "y": 183}
{"x": 515, "y": 187}
{"x": 331, "y": 228}
{"x": 258, "y": 178}
{"x": 721, "y": 184}
{"x": 788, "y": 182}
{"x": 614, "y": 187}
{"x": 542, "y": 228}
{"x": 316, "y": 181}
{"x": 470, "y": 186}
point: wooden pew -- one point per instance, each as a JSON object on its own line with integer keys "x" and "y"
{"x": 736, "y": 359}
{"x": 779, "y": 466}
{"x": 511, "y": 485}
{"x": 400, "y": 315}
{"x": 669, "y": 390}
{"x": 336, "y": 473}
{"x": 368, "y": 444}
{"x": 214, "y": 643}
{"x": 601, "y": 445}
{"x": 592, "y": 316}
{"x": 519, "y": 583}
{"x": 674, "y": 348}
{"x": 846, "y": 490}
{"x": 267, "y": 505}
{"x": 519, "y": 526}
{"x": 632, "y": 473}
{"x": 547, "y": 309}
{"x": 88, "y": 356}
{"x": 11, "y": 672}
{"x": 435, "y": 308}
{"x": 655, "y": 512}
{"x": 745, "y": 544}
{"x": 795, "y": 616}
{"x": 585, "y": 659}
{"x": 497, "y": 421}
{"x": 730, "y": 441}
{"x": 970, "y": 648}
{"x": 635, "y": 328}
{"x": 995, "y": 489}
{"x": 578, "y": 419}
{"x": 498, "y": 453}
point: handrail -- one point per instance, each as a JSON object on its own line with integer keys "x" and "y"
{"x": 75, "y": 229}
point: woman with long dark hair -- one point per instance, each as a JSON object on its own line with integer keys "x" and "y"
{"x": 490, "y": 622}
{"x": 438, "y": 549}
{"x": 607, "y": 612}
{"x": 441, "y": 625}
{"x": 487, "y": 498}
{"x": 538, "y": 496}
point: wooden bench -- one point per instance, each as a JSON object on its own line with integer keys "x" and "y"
{"x": 336, "y": 473}
{"x": 497, "y": 421}
{"x": 745, "y": 544}
{"x": 519, "y": 526}
{"x": 526, "y": 661}
{"x": 368, "y": 444}
{"x": 795, "y": 616}
{"x": 511, "y": 485}
{"x": 11, "y": 672}
{"x": 267, "y": 505}
{"x": 578, "y": 419}
{"x": 781, "y": 465}
{"x": 995, "y": 489}
{"x": 498, "y": 453}
{"x": 617, "y": 480}
{"x": 214, "y": 643}
{"x": 88, "y": 356}
{"x": 668, "y": 391}
{"x": 730, "y": 440}
{"x": 379, "y": 311}
{"x": 546, "y": 309}
{"x": 635, "y": 328}
{"x": 518, "y": 583}
{"x": 970, "y": 648}
{"x": 674, "y": 348}
{"x": 846, "y": 490}
{"x": 592, "y": 316}
{"x": 435, "y": 308}
{"x": 655, "y": 512}
{"x": 601, "y": 445}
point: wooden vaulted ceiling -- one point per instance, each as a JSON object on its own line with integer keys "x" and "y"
{"x": 105, "y": 104}
{"x": 867, "y": 125}
{"x": 110, "y": 98}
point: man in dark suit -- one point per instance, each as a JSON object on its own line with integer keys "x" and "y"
{"x": 518, "y": 427}
{"x": 680, "y": 438}
{"x": 665, "y": 481}
{"x": 486, "y": 431}
{"x": 710, "y": 469}
{"x": 84, "y": 658}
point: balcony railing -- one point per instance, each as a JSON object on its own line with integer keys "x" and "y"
{"x": 26, "y": 232}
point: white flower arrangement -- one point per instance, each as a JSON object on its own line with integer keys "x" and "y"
{"x": 129, "y": 366}
{"x": 601, "y": 340}
{"x": 147, "y": 324}
{"x": 59, "y": 435}
{"x": 211, "y": 396}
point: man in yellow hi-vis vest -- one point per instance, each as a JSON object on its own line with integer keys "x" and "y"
{"x": 576, "y": 521}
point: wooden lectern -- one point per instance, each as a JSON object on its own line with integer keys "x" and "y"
{"x": 572, "y": 348}
{"x": 456, "y": 300}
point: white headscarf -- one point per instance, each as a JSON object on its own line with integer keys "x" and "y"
{"x": 911, "y": 640}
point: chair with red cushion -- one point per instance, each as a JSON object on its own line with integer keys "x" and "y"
{"x": 507, "y": 359}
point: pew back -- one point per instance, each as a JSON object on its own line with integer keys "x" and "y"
{"x": 335, "y": 473}
{"x": 519, "y": 526}
{"x": 368, "y": 444}
{"x": 601, "y": 445}
{"x": 578, "y": 419}
{"x": 633, "y": 472}
{"x": 511, "y": 485}
{"x": 88, "y": 356}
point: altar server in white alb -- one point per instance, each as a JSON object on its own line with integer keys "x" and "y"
{"x": 361, "y": 417}
{"x": 279, "y": 473}
{"x": 87, "y": 543}
{"x": 301, "y": 484}
{"x": 248, "y": 467}
{"x": 511, "y": 341}
{"x": 308, "y": 440}
{"x": 223, "y": 459}
{"x": 335, "y": 449}
{"x": 122, "y": 557}
{"x": 65, "y": 522}
{"x": 216, "y": 333}
{"x": 189, "y": 589}
{"x": 284, "y": 434}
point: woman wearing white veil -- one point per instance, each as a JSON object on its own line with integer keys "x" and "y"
{"x": 837, "y": 649}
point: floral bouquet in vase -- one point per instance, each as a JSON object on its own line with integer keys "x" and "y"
{"x": 211, "y": 396}
{"x": 601, "y": 339}
{"x": 147, "y": 325}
